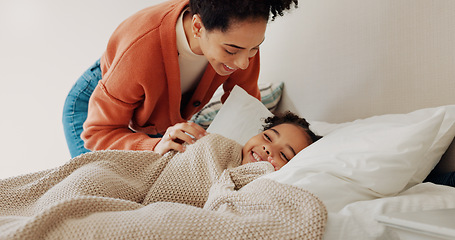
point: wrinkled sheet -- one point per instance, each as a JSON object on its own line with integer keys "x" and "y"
{"x": 357, "y": 221}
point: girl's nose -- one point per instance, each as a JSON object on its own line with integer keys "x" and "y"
{"x": 266, "y": 150}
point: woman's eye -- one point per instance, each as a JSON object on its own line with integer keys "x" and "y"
{"x": 267, "y": 137}
{"x": 230, "y": 53}
{"x": 253, "y": 52}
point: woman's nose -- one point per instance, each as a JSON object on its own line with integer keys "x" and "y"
{"x": 242, "y": 62}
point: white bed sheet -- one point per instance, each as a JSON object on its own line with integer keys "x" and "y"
{"x": 356, "y": 221}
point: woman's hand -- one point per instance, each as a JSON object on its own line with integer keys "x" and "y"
{"x": 177, "y": 135}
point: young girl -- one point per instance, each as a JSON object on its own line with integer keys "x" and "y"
{"x": 161, "y": 66}
{"x": 283, "y": 137}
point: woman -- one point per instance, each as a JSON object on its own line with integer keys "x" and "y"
{"x": 160, "y": 67}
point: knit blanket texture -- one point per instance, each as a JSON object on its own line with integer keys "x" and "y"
{"x": 202, "y": 193}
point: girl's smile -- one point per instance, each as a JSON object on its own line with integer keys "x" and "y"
{"x": 276, "y": 145}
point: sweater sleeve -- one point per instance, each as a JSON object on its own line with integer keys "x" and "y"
{"x": 116, "y": 99}
{"x": 133, "y": 93}
{"x": 107, "y": 125}
{"x": 131, "y": 50}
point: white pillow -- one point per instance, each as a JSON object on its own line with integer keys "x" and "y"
{"x": 370, "y": 158}
{"x": 241, "y": 116}
{"x": 270, "y": 97}
{"x": 440, "y": 145}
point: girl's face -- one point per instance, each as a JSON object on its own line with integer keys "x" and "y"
{"x": 276, "y": 145}
{"x": 231, "y": 50}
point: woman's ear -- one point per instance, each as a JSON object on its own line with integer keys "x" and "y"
{"x": 196, "y": 25}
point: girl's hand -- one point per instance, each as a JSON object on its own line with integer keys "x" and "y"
{"x": 177, "y": 135}
{"x": 275, "y": 165}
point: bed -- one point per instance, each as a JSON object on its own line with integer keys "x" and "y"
{"x": 376, "y": 79}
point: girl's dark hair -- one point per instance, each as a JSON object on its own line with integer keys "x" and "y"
{"x": 289, "y": 117}
{"x": 219, "y": 14}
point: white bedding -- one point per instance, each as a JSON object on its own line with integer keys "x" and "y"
{"x": 356, "y": 221}
{"x": 373, "y": 166}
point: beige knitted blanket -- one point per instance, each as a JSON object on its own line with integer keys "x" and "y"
{"x": 202, "y": 193}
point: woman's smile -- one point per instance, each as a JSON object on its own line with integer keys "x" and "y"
{"x": 229, "y": 69}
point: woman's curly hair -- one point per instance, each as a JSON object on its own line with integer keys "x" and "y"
{"x": 289, "y": 117}
{"x": 219, "y": 14}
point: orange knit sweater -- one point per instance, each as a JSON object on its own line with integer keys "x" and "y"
{"x": 139, "y": 93}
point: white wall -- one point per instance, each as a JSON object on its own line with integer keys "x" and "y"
{"x": 45, "y": 46}
{"x": 348, "y": 59}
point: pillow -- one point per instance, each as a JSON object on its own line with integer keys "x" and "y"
{"x": 241, "y": 116}
{"x": 441, "y": 152}
{"x": 370, "y": 158}
{"x": 270, "y": 97}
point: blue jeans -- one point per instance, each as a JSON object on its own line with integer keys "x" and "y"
{"x": 76, "y": 107}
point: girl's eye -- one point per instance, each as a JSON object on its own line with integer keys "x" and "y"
{"x": 267, "y": 137}
{"x": 284, "y": 156}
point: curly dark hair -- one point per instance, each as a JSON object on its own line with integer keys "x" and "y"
{"x": 219, "y": 14}
{"x": 289, "y": 117}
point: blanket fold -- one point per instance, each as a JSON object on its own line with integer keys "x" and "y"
{"x": 202, "y": 193}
